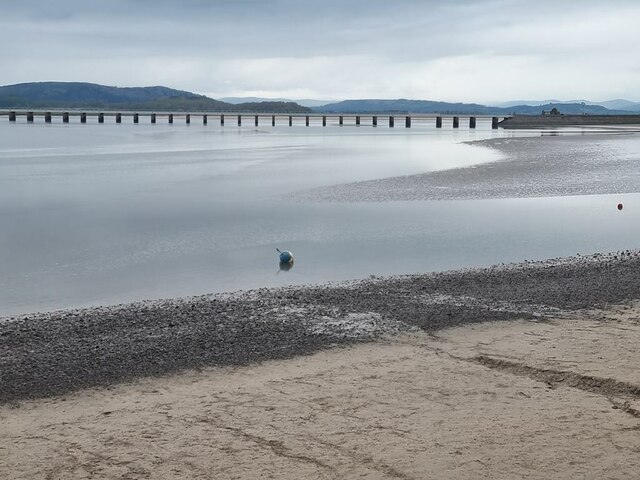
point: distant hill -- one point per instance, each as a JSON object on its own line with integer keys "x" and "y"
{"x": 536, "y": 103}
{"x": 621, "y": 104}
{"x": 77, "y": 95}
{"x": 305, "y": 102}
{"x": 403, "y": 106}
{"x": 275, "y": 107}
{"x": 616, "y": 104}
{"x": 94, "y": 96}
{"x": 567, "y": 108}
{"x": 426, "y": 106}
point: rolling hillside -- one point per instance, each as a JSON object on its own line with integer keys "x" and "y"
{"x": 94, "y": 96}
{"x": 426, "y": 106}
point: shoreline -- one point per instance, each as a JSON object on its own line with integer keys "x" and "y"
{"x": 53, "y": 354}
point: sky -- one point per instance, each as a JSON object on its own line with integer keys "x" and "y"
{"x": 483, "y": 51}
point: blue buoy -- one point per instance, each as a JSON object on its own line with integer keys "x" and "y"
{"x": 285, "y": 256}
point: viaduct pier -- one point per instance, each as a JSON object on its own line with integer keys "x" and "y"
{"x": 255, "y": 119}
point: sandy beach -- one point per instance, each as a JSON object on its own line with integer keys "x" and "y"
{"x": 558, "y": 398}
{"x": 516, "y": 371}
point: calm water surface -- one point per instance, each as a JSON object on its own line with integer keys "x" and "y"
{"x": 102, "y": 214}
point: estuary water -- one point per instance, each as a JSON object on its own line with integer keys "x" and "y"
{"x": 104, "y": 214}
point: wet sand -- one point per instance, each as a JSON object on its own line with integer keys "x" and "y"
{"x": 551, "y": 398}
{"x": 543, "y": 166}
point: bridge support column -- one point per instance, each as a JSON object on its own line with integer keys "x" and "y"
{"x": 170, "y": 118}
{"x": 65, "y": 117}
{"x": 494, "y": 123}
{"x": 438, "y": 122}
{"x": 239, "y": 120}
{"x": 392, "y": 122}
{"x": 187, "y": 119}
{"x": 374, "y": 121}
{"x": 324, "y": 120}
{"x": 472, "y": 122}
{"x": 407, "y": 122}
{"x": 153, "y": 118}
{"x": 222, "y": 120}
{"x": 12, "y": 116}
{"x": 83, "y": 117}
{"x": 306, "y": 120}
{"x": 30, "y": 117}
{"x": 204, "y": 119}
{"x": 47, "y": 117}
{"x": 256, "y": 120}
{"x": 341, "y": 121}
{"x": 357, "y": 121}
{"x": 118, "y": 118}
{"x": 101, "y": 118}
{"x": 456, "y": 122}
{"x": 136, "y": 118}
{"x": 273, "y": 120}
{"x": 290, "y": 120}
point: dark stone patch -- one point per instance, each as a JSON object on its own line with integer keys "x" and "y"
{"x": 52, "y": 354}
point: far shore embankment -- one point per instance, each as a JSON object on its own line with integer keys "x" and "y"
{"x": 543, "y": 121}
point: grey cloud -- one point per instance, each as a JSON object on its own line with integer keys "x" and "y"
{"x": 326, "y": 48}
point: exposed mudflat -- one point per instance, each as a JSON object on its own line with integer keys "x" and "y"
{"x": 531, "y": 167}
{"x": 51, "y": 354}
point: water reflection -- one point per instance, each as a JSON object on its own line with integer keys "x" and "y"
{"x": 286, "y": 266}
{"x": 104, "y": 214}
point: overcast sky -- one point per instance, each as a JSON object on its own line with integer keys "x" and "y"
{"x": 472, "y": 51}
